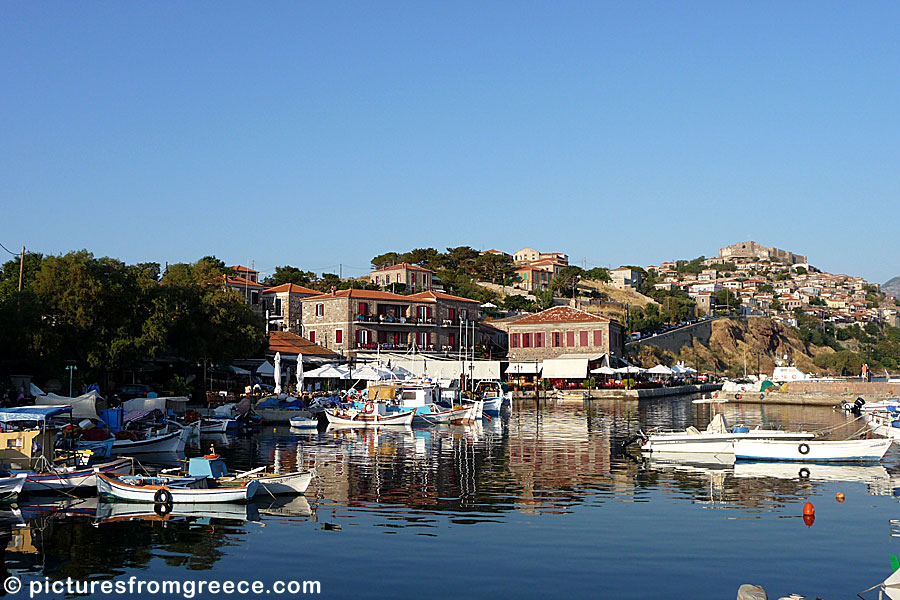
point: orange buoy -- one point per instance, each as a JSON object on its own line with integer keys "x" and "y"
{"x": 839, "y": 496}
{"x": 809, "y": 520}
{"x": 809, "y": 509}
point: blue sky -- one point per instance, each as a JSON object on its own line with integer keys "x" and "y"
{"x": 319, "y": 134}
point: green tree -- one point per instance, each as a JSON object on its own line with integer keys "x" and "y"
{"x": 597, "y": 274}
{"x": 289, "y": 274}
{"x": 565, "y": 282}
{"x": 494, "y": 267}
{"x": 385, "y": 260}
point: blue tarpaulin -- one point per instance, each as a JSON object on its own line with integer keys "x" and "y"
{"x": 32, "y": 413}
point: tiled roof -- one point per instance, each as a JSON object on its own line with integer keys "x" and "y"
{"x": 291, "y": 343}
{"x": 363, "y": 294}
{"x": 240, "y": 281}
{"x": 432, "y": 296}
{"x": 561, "y": 314}
{"x": 291, "y": 288}
{"x": 241, "y": 269}
{"x": 403, "y": 266}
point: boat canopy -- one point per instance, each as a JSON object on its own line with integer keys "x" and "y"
{"x": 32, "y": 413}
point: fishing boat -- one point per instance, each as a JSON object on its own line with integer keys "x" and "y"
{"x": 213, "y": 467}
{"x": 213, "y": 426}
{"x": 718, "y": 438}
{"x": 155, "y": 442}
{"x": 812, "y": 451}
{"x": 491, "y": 394}
{"x": 301, "y": 422}
{"x": 173, "y": 490}
{"x": 11, "y": 487}
{"x": 884, "y": 423}
{"x": 61, "y": 478}
{"x": 438, "y": 415}
{"x": 368, "y": 417}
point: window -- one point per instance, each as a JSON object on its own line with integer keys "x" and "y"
{"x": 412, "y": 277}
{"x": 583, "y": 338}
{"x": 526, "y": 340}
{"x": 254, "y": 298}
{"x": 364, "y": 308}
{"x": 557, "y": 339}
{"x": 451, "y": 313}
{"x": 514, "y": 340}
{"x": 570, "y": 339}
{"x": 598, "y": 337}
{"x": 338, "y": 336}
{"x": 320, "y": 309}
{"x": 312, "y": 336}
{"x": 464, "y": 314}
{"x": 278, "y": 306}
{"x": 539, "y": 340}
{"x": 452, "y": 341}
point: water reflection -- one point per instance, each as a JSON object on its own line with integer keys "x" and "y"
{"x": 543, "y": 459}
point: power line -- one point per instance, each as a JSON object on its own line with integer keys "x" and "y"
{"x": 8, "y": 250}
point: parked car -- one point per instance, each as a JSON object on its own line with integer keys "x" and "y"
{"x": 134, "y": 390}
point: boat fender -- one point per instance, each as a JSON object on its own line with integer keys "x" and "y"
{"x": 737, "y": 396}
{"x": 162, "y": 509}
{"x": 369, "y": 408}
{"x": 803, "y": 448}
{"x": 762, "y": 396}
{"x": 210, "y": 456}
{"x": 804, "y": 473}
{"x": 715, "y": 394}
{"x": 162, "y": 496}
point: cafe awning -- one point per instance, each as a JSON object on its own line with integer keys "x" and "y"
{"x": 565, "y": 368}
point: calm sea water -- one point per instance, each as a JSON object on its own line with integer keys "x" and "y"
{"x": 541, "y": 503}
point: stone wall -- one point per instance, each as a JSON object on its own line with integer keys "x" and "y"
{"x": 673, "y": 341}
{"x": 857, "y": 388}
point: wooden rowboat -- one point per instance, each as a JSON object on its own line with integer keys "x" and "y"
{"x": 173, "y": 490}
{"x": 352, "y": 418}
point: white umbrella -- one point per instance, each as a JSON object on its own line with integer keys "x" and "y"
{"x": 371, "y": 373}
{"x": 604, "y": 371}
{"x": 277, "y": 374}
{"x": 329, "y": 372}
{"x": 660, "y": 370}
{"x": 299, "y": 373}
{"x": 629, "y": 369}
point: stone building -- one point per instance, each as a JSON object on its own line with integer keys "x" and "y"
{"x": 351, "y": 320}
{"x": 250, "y": 290}
{"x": 413, "y": 277}
{"x": 563, "y": 330}
{"x": 753, "y": 250}
{"x": 625, "y": 277}
{"x": 284, "y": 308}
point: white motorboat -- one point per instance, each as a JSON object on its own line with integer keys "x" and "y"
{"x": 295, "y": 482}
{"x": 812, "y": 451}
{"x": 173, "y": 490}
{"x": 718, "y": 438}
{"x": 458, "y": 415}
{"x": 301, "y": 422}
{"x": 368, "y": 417}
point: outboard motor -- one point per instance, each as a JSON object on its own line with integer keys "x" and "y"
{"x": 857, "y": 406}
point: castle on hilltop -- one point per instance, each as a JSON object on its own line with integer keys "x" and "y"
{"x": 758, "y": 251}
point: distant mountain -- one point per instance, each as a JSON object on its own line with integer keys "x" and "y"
{"x": 892, "y": 287}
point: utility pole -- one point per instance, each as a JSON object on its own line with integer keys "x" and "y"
{"x": 21, "y": 267}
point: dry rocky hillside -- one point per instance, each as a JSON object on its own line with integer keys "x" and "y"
{"x": 734, "y": 341}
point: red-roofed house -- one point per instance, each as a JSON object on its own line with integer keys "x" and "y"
{"x": 563, "y": 330}
{"x": 248, "y": 274}
{"x": 413, "y": 277}
{"x": 283, "y": 305}
{"x": 352, "y": 320}
{"x": 247, "y": 288}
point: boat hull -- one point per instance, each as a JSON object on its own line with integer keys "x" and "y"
{"x": 74, "y": 479}
{"x": 174, "y": 441}
{"x": 11, "y": 487}
{"x": 304, "y": 423}
{"x": 370, "y": 420}
{"x": 813, "y": 451}
{"x": 714, "y": 443}
{"x": 135, "y": 492}
{"x": 283, "y": 483}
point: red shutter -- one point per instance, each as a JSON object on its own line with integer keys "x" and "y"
{"x": 570, "y": 339}
{"x": 452, "y": 340}
{"x": 357, "y": 336}
{"x": 598, "y": 337}
{"x": 428, "y": 313}
{"x": 583, "y": 335}
{"x": 363, "y": 308}
{"x": 312, "y": 336}
{"x": 451, "y": 313}
{"x": 339, "y": 336}
{"x": 515, "y": 340}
